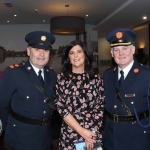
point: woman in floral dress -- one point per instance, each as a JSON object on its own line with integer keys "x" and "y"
{"x": 79, "y": 98}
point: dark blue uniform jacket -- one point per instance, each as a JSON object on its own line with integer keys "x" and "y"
{"x": 127, "y": 135}
{"x": 19, "y": 93}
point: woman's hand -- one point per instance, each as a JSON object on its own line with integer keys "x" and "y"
{"x": 89, "y": 146}
{"x": 88, "y": 135}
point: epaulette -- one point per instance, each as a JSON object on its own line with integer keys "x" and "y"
{"x": 14, "y": 66}
{"x": 52, "y": 69}
{"x": 114, "y": 68}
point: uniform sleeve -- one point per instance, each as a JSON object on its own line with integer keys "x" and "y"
{"x": 61, "y": 100}
{"x": 6, "y": 91}
{"x": 99, "y": 104}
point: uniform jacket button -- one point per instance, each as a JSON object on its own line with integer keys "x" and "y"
{"x": 44, "y": 112}
{"x": 14, "y": 125}
{"x": 27, "y": 97}
{"x": 144, "y": 131}
{"x": 115, "y": 106}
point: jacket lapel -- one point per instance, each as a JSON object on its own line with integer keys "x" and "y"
{"x": 31, "y": 73}
{"x": 114, "y": 77}
{"x": 47, "y": 77}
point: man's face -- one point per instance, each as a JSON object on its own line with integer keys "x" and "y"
{"x": 38, "y": 57}
{"x": 123, "y": 55}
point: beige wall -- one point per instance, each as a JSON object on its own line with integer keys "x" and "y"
{"x": 142, "y": 40}
{"x": 103, "y": 53}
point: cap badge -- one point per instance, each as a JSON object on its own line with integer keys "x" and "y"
{"x": 136, "y": 70}
{"x": 119, "y": 35}
{"x": 43, "y": 38}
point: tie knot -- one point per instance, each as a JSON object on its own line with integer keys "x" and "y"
{"x": 40, "y": 71}
{"x": 121, "y": 72}
{"x": 40, "y": 77}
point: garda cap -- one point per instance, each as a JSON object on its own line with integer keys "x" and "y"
{"x": 120, "y": 37}
{"x": 40, "y": 40}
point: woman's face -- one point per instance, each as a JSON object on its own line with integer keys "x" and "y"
{"x": 77, "y": 57}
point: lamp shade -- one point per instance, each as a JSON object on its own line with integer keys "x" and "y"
{"x": 69, "y": 25}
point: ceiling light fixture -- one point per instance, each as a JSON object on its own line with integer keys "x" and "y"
{"x": 67, "y": 25}
{"x": 144, "y": 17}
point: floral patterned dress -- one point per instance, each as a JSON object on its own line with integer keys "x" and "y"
{"x": 84, "y": 100}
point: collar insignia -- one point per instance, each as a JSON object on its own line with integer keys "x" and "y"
{"x": 43, "y": 38}
{"x": 115, "y": 69}
{"x": 29, "y": 68}
{"x": 119, "y": 35}
{"x": 136, "y": 70}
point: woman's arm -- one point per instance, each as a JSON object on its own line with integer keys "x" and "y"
{"x": 98, "y": 108}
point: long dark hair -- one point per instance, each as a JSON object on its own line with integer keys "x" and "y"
{"x": 67, "y": 69}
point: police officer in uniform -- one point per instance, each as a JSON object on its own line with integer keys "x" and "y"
{"x": 127, "y": 86}
{"x": 24, "y": 109}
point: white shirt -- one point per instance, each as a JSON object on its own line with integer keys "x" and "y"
{"x": 37, "y": 70}
{"x": 125, "y": 70}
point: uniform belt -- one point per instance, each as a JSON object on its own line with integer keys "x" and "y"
{"x": 32, "y": 121}
{"x": 124, "y": 118}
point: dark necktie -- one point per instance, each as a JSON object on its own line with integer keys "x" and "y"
{"x": 121, "y": 78}
{"x": 40, "y": 77}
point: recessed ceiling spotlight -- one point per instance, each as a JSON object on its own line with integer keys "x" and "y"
{"x": 7, "y": 20}
{"x": 87, "y": 15}
{"x": 44, "y": 21}
{"x": 15, "y": 15}
{"x": 144, "y": 17}
{"x": 35, "y": 10}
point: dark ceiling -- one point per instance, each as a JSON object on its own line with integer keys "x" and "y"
{"x": 103, "y": 14}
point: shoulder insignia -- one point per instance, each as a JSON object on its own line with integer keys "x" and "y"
{"x": 115, "y": 69}
{"x": 11, "y": 66}
{"x": 52, "y": 69}
{"x": 14, "y": 66}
